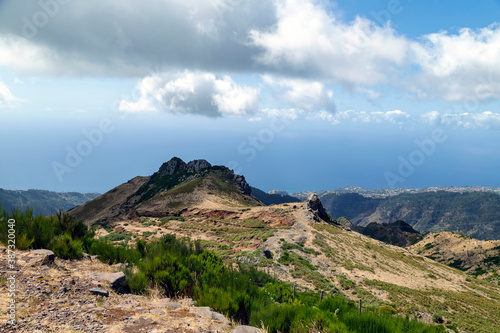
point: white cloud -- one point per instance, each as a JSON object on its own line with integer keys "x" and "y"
{"x": 432, "y": 118}
{"x": 482, "y": 120}
{"x": 302, "y": 94}
{"x": 7, "y": 99}
{"x": 309, "y": 41}
{"x": 193, "y": 92}
{"x": 292, "y": 114}
{"x": 396, "y": 117}
{"x": 460, "y": 66}
{"x": 300, "y": 40}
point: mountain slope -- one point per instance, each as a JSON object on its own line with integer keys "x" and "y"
{"x": 289, "y": 243}
{"x": 457, "y": 250}
{"x": 109, "y": 205}
{"x": 43, "y": 202}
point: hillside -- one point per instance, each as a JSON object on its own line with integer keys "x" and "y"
{"x": 457, "y": 250}
{"x": 289, "y": 243}
{"x": 475, "y": 214}
{"x": 43, "y": 202}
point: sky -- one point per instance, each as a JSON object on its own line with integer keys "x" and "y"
{"x": 293, "y": 94}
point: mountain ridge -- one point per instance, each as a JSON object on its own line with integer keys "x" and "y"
{"x": 42, "y": 201}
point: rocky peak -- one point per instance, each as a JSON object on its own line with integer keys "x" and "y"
{"x": 197, "y": 165}
{"x": 315, "y": 205}
{"x": 242, "y": 184}
{"x": 171, "y": 167}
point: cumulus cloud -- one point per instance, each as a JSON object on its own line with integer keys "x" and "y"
{"x": 302, "y": 94}
{"x": 460, "y": 66}
{"x": 395, "y": 117}
{"x": 7, "y": 99}
{"x": 432, "y": 118}
{"x": 482, "y": 120}
{"x": 193, "y": 92}
{"x": 310, "y": 41}
{"x": 291, "y": 113}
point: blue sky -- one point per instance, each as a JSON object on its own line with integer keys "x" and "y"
{"x": 293, "y": 94}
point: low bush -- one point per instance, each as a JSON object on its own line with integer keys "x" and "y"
{"x": 66, "y": 248}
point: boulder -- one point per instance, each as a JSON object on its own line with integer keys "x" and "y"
{"x": 115, "y": 279}
{"x": 315, "y": 205}
{"x": 172, "y": 305}
{"x": 245, "y": 329}
{"x": 267, "y": 254}
{"x": 99, "y": 292}
{"x": 47, "y": 256}
{"x": 205, "y": 311}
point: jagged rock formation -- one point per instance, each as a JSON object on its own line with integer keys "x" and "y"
{"x": 197, "y": 166}
{"x": 315, "y": 205}
{"x": 242, "y": 185}
{"x": 176, "y": 164}
{"x": 171, "y": 167}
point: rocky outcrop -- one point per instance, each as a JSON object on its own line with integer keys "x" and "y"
{"x": 176, "y": 164}
{"x": 197, "y": 165}
{"x": 171, "y": 167}
{"x": 114, "y": 279}
{"x": 344, "y": 221}
{"x": 242, "y": 185}
{"x": 99, "y": 292}
{"x": 46, "y": 256}
{"x": 316, "y": 207}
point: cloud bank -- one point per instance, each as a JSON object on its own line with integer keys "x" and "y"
{"x": 186, "y": 54}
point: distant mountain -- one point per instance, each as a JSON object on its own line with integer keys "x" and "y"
{"x": 475, "y": 214}
{"x": 273, "y": 197}
{"x": 43, "y": 202}
{"x": 175, "y": 187}
{"x": 387, "y": 192}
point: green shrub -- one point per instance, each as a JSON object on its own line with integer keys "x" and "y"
{"x": 116, "y": 237}
{"x": 66, "y": 248}
{"x": 111, "y": 254}
{"x": 136, "y": 282}
{"x": 23, "y": 243}
{"x": 38, "y": 232}
{"x": 387, "y": 309}
{"x": 437, "y": 318}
